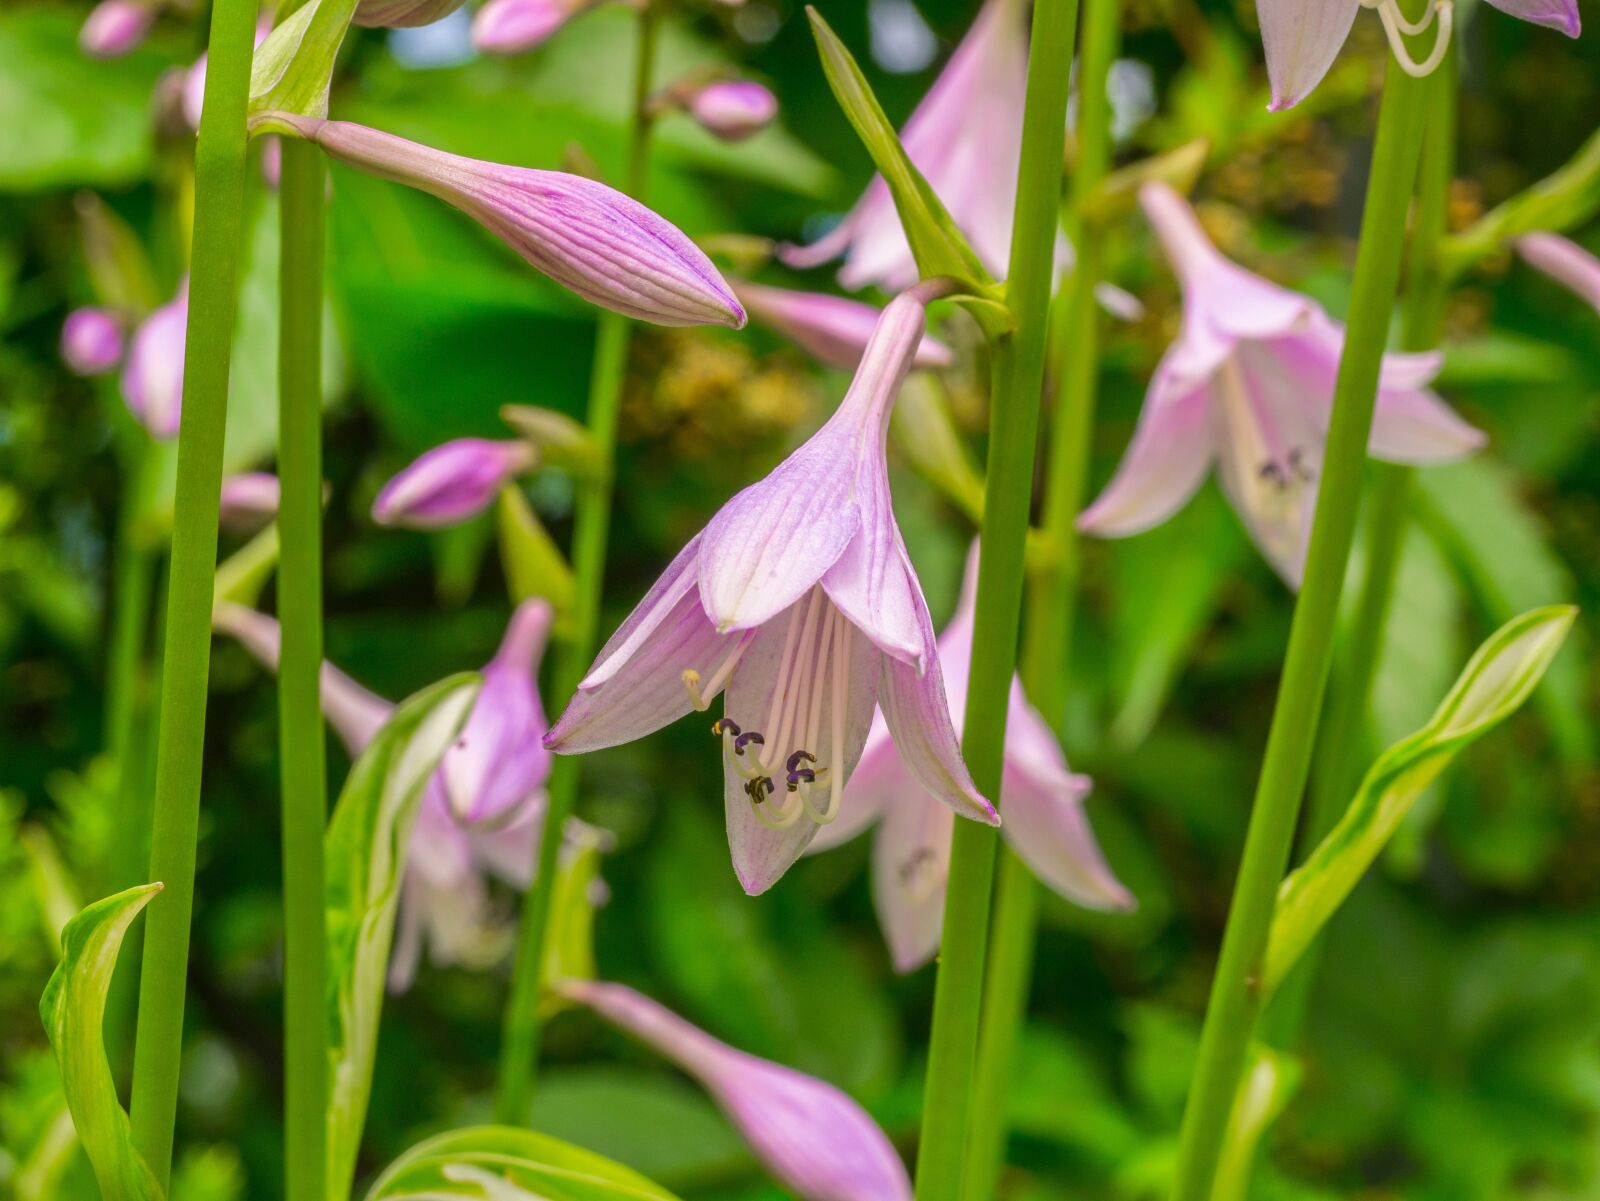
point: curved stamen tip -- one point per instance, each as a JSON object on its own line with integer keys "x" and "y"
{"x": 799, "y": 757}
{"x": 1397, "y": 28}
{"x": 744, "y": 740}
{"x": 725, "y": 725}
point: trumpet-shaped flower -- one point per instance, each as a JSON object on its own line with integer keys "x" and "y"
{"x": 609, "y": 249}
{"x": 450, "y": 483}
{"x": 152, "y": 378}
{"x": 732, "y": 109}
{"x": 444, "y": 900}
{"x": 833, "y": 329}
{"x": 116, "y": 27}
{"x": 513, "y": 26}
{"x": 249, "y": 500}
{"x": 1249, "y": 385}
{"x": 1303, "y": 37}
{"x": 1040, "y": 796}
{"x": 91, "y": 341}
{"x": 1564, "y": 261}
{"x": 800, "y": 601}
{"x": 814, "y": 1140}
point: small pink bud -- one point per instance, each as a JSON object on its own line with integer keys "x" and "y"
{"x": 450, "y": 483}
{"x": 734, "y": 109}
{"x": 403, "y": 14}
{"x": 115, "y": 27}
{"x": 152, "y": 378}
{"x": 249, "y": 501}
{"x": 91, "y": 341}
{"x": 513, "y": 26}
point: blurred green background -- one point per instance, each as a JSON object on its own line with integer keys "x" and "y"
{"x": 1453, "y": 1047}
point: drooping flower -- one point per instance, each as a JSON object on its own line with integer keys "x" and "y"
{"x": 1249, "y": 385}
{"x": 1040, "y": 797}
{"x": 249, "y": 500}
{"x": 966, "y": 139}
{"x": 91, "y": 341}
{"x": 799, "y": 599}
{"x": 515, "y": 26}
{"x": 732, "y": 109}
{"x": 815, "y": 1141}
{"x": 1564, "y": 261}
{"x": 834, "y": 329}
{"x": 1303, "y": 37}
{"x": 609, "y": 249}
{"x": 116, "y": 27}
{"x": 152, "y": 378}
{"x": 444, "y": 900}
{"x": 450, "y": 483}
{"x": 403, "y": 14}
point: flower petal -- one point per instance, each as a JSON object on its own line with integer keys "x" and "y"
{"x": 1165, "y": 463}
{"x": 910, "y": 869}
{"x": 1302, "y": 38}
{"x": 873, "y": 583}
{"x": 1560, "y": 15}
{"x": 877, "y": 777}
{"x": 1418, "y": 427}
{"x": 1564, "y": 261}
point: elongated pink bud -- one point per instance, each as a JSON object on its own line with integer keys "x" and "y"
{"x": 515, "y": 26}
{"x": 450, "y": 483}
{"x": 91, "y": 341}
{"x": 609, "y": 249}
{"x": 403, "y": 14}
{"x": 115, "y": 27}
{"x": 815, "y": 1140}
{"x": 152, "y": 378}
{"x": 733, "y": 109}
{"x": 834, "y": 329}
{"x": 249, "y": 501}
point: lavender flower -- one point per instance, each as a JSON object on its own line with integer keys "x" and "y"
{"x": 591, "y": 239}
{"x": 116, "y": 27}
{"x": 814, "y": 1140}
{"x": 833, "y": 329}
{"x": 450, "y": 483}
{"x": 799, "y": 599}
{"x": 152, "y": 378}
{"x": 513, "y": 26}
{"x": 1249, "y": 385}
{"x": 732, "y": 109}
{"x": 1564, "y": 261}
{"x": 249, "y": 500}
{"x": 91, "y": 341}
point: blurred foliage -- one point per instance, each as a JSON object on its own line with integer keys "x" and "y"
{"x": 1453, "y": 1041}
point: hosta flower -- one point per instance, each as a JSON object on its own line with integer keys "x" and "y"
{"x": 732, "y": 109}
{"x": 799, "y": 600}
{"x": 152, "y": 378}
{"x": 833, "y": 329}
{"x": 814, "y": 1140}
{"x": 1303, "y": 37}
{"x": 513, "y": 26}
{"x": 1041, "y": 798}
{"x": 1249, "y": 385}
{"x": 450, "y": 483}
{"x": 589, "y": 238}
{"x": 249, "y": 500}
{"x": 966, "y": 139}
{"x": 1564, "y": 261}
{"x": 91, "y": 341}
{"x": 403, "y": 14}
{"x": 115, "y": 27}
{"x": 444, "y": 900}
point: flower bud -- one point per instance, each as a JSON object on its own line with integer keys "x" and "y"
{"x": 91, "y": 341}
{"x": 733, "y": 109}
{"x": 831, "y": 328}
{"x": 152, "y": 378}
{"x": 513, "y": 26}
{"x": 499, "y": 760}
{"x": 115, "y": 27}
{"x": 450, "y": 483}
{"x": 403, "y": 14}
{"x": 249, "y": 501}
{"x": 591, "y": 239}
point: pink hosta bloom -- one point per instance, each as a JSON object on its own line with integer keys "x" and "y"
{"x": 815, "y": 1141}
{"x": 732, "y": 109}
{"x": 403, "y": 14}
{"x": 444, "y": 900}
{"x": 249, "y": 500}
{"x": 1303, "y": 37}
{"x": 1249, "y": 385}
{"x": 116, "y": 27}
{"x": 609, "y": 249}
{"x": 966, "y": 139}
{"x": 1564, "y": 261}
{"x": 152, "y": 378}
{"x": 833, "y": 329}
{"x": 513, "y": 26}
{"x": 1041, "y": 798}
{"x": 450, "y": 483}
{"x": 91, "y": 341}
{"x": 800, "y": 600}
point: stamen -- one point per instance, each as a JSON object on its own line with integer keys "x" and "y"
{"x": 794, "y": 686}
{"x": 700, "y": 697}
{"x": 1396, "y": 27}
{"x": 785, "y": 666}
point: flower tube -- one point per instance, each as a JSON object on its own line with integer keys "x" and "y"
{"x": 1564, "y": 261}
{"x": 833, "y": 329}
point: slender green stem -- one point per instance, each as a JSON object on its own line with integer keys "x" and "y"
{"x": 1052, "y": 598}
{"x": 1235, "y": 995}
{"x": 519, "y": 1045}
{"x": 301, "y": 744}
{"x": 219, "y": 198}
{"x": 1013, "y": 434}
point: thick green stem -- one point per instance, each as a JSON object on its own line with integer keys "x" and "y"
{"x": 519, "y": 1046}
{"x": 1052, "y": 597}
{"x": 1013, "y": 434}
{"x": 301, "y": 743}
{"x": 219, "y": 198}
{"x": 1235, "y": 994}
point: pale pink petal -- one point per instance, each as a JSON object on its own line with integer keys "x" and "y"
{"x": 1564, "y": 261}
{"x": 910, "y": 869}
{"x": 1164, "y": 465}
{"x": 873, "y": 583}
{"x": 1302, "y": 38}
{"x": 1560, "y": 15}
{"x": 1418, "y": 427}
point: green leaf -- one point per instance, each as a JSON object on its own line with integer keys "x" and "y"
{"x": 366, "y": 852}
{"x": 72, "y": 1008}
{"x": 936, "y": 243}
{"x": 1494, "y": 684}
{"x": 292, "y": 69}
{"x": 499, "y": 1163}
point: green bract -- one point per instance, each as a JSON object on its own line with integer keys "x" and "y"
{"x": 500, "y": 1163}
{"x": 293, "y": 68}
